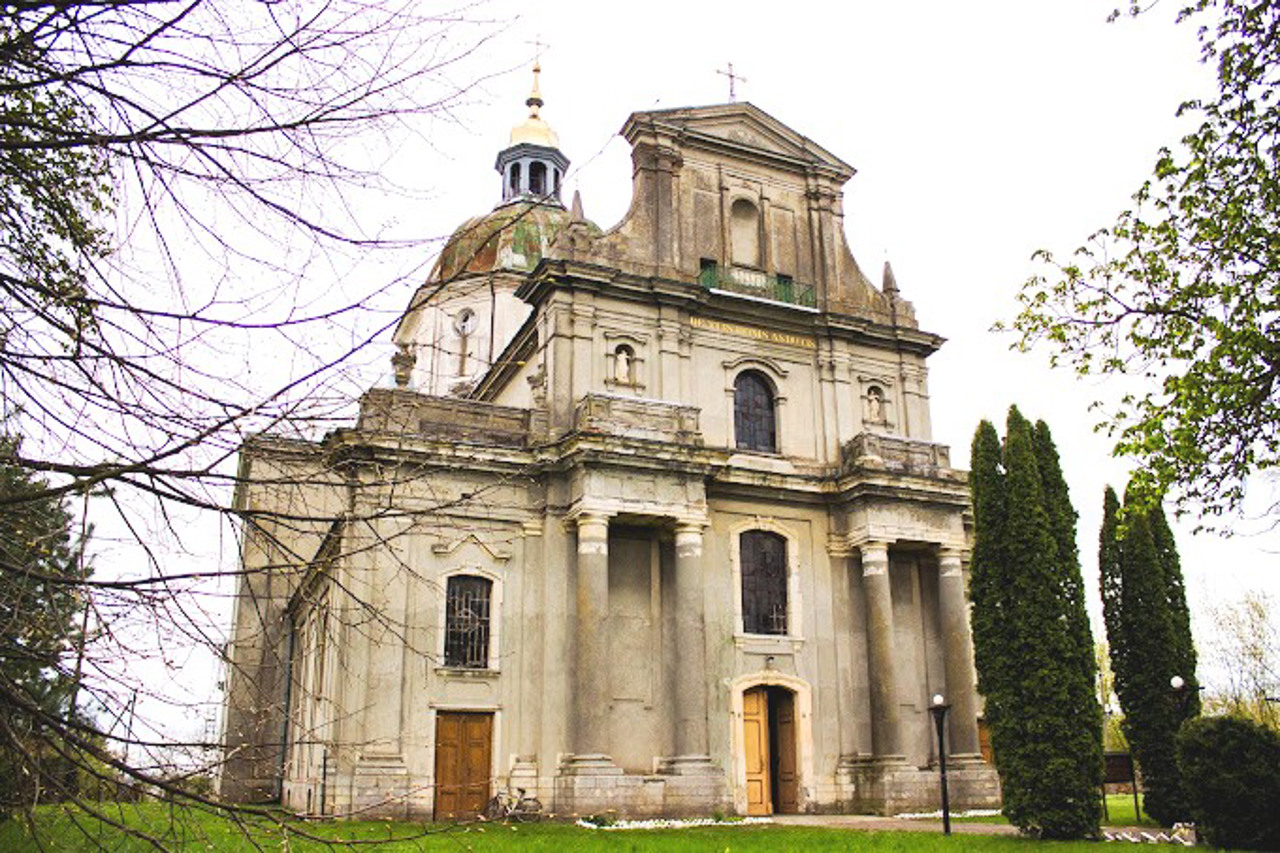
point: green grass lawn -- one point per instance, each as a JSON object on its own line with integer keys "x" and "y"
{"x": 191, "y": 830}
{"x": 186, "y": 830}
{"x": 1119, "y": 813}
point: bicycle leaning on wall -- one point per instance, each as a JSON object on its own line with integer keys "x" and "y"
{"x": 518, "y": 808}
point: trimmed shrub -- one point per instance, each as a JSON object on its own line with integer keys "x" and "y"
{"x": 1231, "y": 768}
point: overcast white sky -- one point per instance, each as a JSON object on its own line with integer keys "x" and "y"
{"x": 980, "y": 131}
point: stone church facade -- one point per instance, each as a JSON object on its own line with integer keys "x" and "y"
{"x": 650, "y": 520}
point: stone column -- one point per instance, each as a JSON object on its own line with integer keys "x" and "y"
{"x": 885, "y": 716}
{"x": 691, "y": 668}
{"x": 591, "y": 732}
{"x": 957, "y": 650}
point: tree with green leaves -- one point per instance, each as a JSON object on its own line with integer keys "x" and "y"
{"x": 40, "y": 622}
{"x": 1141, "y": 596}
{"x": 1183, "y": 291}
{"x": 1032, "y": 646}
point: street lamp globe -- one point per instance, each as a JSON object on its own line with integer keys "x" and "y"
{"x": 937, "y": 700}
{"x": 1177, "y": 682}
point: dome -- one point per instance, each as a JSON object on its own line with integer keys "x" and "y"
{"x": 535, "y": 131}
{"x": 512, "y": 237}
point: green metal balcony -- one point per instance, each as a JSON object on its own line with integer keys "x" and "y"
{"x": 749, "y": 282}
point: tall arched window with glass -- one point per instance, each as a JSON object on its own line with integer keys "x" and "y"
{"x": 754, "y": 414}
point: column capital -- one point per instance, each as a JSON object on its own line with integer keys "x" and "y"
{"x": 691, "y": 525}
{"x": 950, "y": 561}
{"x": 875, "y": 557}
{"x": 593, "y": 532}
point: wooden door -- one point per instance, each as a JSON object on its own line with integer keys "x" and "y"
{"x": 755, "y": 731}
{"x": 464, "y": 743}
{"x": 788, "y": 780}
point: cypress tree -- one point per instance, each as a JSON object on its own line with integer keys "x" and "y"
{"x": 1083, "y": 672}
{"x": 986, "y": 579}
{"x": 1044, "y": 724}
{"x": 1149, "y": 634}
{"x": 1109, "y": 547}
{"x": 1062, "y": 524}
{"x": 1184, "y": 650}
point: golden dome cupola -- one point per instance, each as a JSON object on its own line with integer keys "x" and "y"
{"x": 532, "y": 166}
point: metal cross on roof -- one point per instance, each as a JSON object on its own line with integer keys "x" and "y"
{"x": 733, "y": 78}
{"x": 538, "y": 46}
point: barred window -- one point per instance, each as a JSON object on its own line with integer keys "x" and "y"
{"x": 466, "y": 630}
{"x": 763, "y": 560}
{"x": 753, "y": 413}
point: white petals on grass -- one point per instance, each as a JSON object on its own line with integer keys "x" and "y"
{"x": 664, "y": 823}
{"x": 938, "y": 814}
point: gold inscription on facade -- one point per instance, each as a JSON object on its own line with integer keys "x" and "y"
{"x": 752, "y": 332}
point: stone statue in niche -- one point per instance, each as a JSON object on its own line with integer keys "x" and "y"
{"x": 875, "y": 405}
{"x": 624, "y": 360}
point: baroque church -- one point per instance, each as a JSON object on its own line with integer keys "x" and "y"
{"x": 649, "y": 519}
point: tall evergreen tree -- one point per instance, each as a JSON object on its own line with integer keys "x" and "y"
{"x": 1041, "y": 711}
{"x": 986, "y": 574}
{"x": 1111, "y": 581}
{"x": 1062, "y": 524}
{"x": 1137, "y": 564}
{"x": 1184, "y": 650}
{"x": 39, "y": 624}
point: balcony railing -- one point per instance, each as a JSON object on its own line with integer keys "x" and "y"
{"x": 775, "y": 288}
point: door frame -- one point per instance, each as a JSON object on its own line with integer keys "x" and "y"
{"x": 428, "y": 801}
{"x": 803, "y": 698}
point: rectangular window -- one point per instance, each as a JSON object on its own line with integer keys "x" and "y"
{"x": 466, "y": 633}
{"x": 786, "y": 288}
{"x": 708, "y": 275}
{"x": 763, "y": 561}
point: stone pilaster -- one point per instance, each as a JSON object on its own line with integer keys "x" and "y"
{"x": 885, "y": 715}
{"x": 591, "y": 725}
{"x": 957, "y": 647}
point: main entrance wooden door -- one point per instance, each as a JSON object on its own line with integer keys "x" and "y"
{"x": 464, "y": 743}
{"x": 769, "y": 744}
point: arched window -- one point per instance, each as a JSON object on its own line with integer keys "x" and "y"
{"x": 555, "y": 174}
{"x": 466, "y": 622}
{"x": 538, "y": 178}
{"x": 754, "y": 419}
{"x": 763, "y": 559}
{"x": 515, "y": 178}
{"x": 744, "y": 234}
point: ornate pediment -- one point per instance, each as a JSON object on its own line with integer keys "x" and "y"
{"x": 740, "y": 126}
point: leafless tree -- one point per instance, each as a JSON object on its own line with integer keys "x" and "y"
{"x": 1245, "y": 647}
{"x": 186, "y": 188}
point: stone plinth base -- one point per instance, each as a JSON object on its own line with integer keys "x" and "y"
{"x": 380, "y": 788}
{"x": 590, "y": 764}
{"x": 685, "y": 786}
{"x": 688, "y": 765}
{"x": 889, "y": 785}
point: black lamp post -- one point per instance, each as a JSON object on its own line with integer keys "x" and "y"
{"x": 1182, "y": 692}
{"x": 939, "y": 710}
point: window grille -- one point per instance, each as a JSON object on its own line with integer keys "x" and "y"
{"x": 763, "y": 561}
{"x": 753, "y": 413}
{"x": 466, "y": 633}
